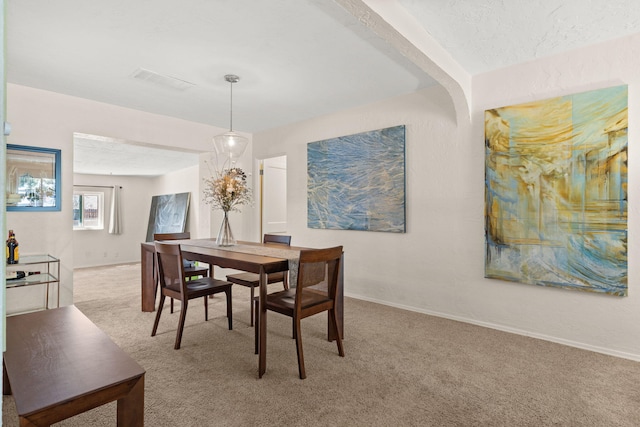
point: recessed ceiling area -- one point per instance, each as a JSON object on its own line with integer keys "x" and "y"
{"x": 97, "y": 155}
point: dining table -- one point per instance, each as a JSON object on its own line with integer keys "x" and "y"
{"x": 258, "y": 258}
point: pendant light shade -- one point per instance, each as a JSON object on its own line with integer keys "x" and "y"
{"x": 230, "y": 144}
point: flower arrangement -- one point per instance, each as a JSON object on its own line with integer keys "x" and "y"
{"x": 227, "y": 190}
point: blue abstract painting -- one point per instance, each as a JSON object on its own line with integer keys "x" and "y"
{"x": 556, "y": 192}
{"x": 357, "y": 182}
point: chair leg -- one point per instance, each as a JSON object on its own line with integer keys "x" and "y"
{"x": 229, "y": 308}
{"x": 183, "y": 316}
{"x": 334, "y": 315}
{"x": 171, "y": 306}
{"x": 155, "y": 323}
{"x": 301, "y": 370}
{"x": 256, "y": 328}
{"x": 206, "y": 309}
{"x": 251, "y": 305}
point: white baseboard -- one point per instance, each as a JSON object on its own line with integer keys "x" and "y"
{"x": 583, "y": 346}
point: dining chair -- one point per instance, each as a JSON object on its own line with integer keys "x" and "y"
{"x": 191, "y": 269}
{"x": 252, "y": 280}
{"x": 173, "y": 284}
{"x": 315, "y": 292}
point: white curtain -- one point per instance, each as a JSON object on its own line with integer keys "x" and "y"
{"x": 115, "y": 220}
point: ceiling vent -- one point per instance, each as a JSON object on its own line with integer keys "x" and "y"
{"x": 162, "y": 80}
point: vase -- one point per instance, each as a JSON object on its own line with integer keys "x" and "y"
{"x": 225, "y": 235}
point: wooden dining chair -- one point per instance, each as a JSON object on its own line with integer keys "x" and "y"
{"x": 315, "y": 292}
{"x": 252, "y": 280}
{"x": 173, "y": 284}
{"x": 191, "y": 269}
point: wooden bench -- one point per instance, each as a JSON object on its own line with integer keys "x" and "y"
{"x": 59, "y": 364}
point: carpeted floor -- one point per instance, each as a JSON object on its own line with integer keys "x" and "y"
{"x": 401, "y": 369}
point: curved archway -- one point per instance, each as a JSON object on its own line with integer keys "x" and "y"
{"x": 393, "y": 24}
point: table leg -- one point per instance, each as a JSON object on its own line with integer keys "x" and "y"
{"x": 331, "y": 335}
{"x": 262, "y": 333}
{"x": 24, "y": 422}
{"x": 147, "y": 265}
{"x": 6, "y": 386}
{"x": 131, "y": 407}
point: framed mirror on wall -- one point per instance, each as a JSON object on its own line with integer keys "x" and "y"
{"x": 33, "y": 178}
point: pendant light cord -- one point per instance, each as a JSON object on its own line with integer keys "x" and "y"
{"x": 231, "y": 109}
{"x": 231, "y": 78}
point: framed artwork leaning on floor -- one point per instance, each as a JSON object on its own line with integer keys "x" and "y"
{"x": 168, "y": 214}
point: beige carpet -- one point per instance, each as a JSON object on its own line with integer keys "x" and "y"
{"x": 401, "y": 369}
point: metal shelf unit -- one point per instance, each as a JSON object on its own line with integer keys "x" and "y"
{"x": 28, "y": 264}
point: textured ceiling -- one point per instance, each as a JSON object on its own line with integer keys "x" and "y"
{"x": 96, "y": 155}
{"x": 297, "y": 59}
{"x": 487, "y": 35}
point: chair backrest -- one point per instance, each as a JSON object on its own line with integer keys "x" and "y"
{"x": 277, "y": 238}
{"x": 172, "y": 236}
{"x": 318, "y": 272}
{"x": 170, "y": 266}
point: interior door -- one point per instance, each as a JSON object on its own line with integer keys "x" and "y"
{"x": 274, "y": 195}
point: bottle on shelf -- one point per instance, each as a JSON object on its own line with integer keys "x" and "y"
{"x": 13, "y": 252}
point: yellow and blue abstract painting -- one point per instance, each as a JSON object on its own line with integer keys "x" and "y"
{"x": 556, "y": 192}
{"x": 357, "y": 182}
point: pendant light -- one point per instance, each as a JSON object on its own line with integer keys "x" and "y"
{"x": 230, "y": 144}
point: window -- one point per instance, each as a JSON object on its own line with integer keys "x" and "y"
{"x": 88, "y": 210}
{"x": 32, "y": 178}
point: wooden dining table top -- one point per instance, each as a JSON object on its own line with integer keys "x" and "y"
{"x": 254, "y": 253}
{"x": 246, "y": 256}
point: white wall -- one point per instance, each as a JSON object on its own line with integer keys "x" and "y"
{"x": 46, "y": 119}
{"x": 437, "y": 267}
{"x": 97, "y": 247}
{"x": 605, "y": 323}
